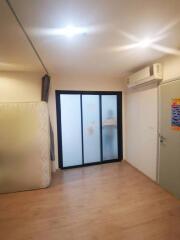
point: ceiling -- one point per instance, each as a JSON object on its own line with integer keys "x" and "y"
{"x": 15, "y": 52}
{"x": 97, "y": 53}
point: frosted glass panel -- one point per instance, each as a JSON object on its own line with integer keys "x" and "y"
{"x": 71, "y": 129}
{"x": 91, "y": 128}
{"x": 109, "y": 127}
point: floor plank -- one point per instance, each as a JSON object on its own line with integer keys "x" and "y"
{"x": 111, "y": 201}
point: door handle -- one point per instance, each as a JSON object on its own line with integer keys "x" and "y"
{"x": 162, "y": 138}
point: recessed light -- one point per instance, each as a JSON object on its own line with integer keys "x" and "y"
{"x": 71, "y": 31}
{"x": 145, "y": 43}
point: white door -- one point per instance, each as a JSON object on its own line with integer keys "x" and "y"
{"x": 169, "y": 164}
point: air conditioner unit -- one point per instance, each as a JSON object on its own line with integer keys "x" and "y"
{"x": 148, "y": 75}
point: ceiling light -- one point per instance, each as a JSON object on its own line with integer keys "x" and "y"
{"x": 145, "y": 43}
{"x": 71, "y": 31}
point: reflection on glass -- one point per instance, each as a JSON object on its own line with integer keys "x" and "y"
{"x": 71, "y": 129}
{"x": 109, "y": 127}
{"x": 91, "y": 128}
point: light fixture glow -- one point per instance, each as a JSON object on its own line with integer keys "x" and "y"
{"x": 145, "y": 43}
{"x": 152, "y": 43}
{"x": 71, "y": 31}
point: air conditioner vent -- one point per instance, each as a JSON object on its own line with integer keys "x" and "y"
{"x": 147, "y": 75}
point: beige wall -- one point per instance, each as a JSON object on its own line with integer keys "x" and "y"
{"x": 85, "y": 83}
{"x": 142, "y": 121}
{"x": 20, "y": 86}
{"x": 171, "y": 67}
{"x": 94, "y": 84}
{"x": 26, "y": 87}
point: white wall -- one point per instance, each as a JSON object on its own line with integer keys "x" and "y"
{"x": 142, "y": 123}
{"x": 142, "y": 119}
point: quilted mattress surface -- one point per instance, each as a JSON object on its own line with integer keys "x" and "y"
{"x": 24, "y": 146}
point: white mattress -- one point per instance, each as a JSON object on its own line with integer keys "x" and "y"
{"x": 24, "y": 146}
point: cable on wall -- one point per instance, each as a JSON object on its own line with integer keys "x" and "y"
{"x": 27, "y": 36}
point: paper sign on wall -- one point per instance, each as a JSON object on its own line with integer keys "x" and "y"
{"x": 175, "y": 108}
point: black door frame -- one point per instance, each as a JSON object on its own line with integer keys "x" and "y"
{"x": 119, "y": 125}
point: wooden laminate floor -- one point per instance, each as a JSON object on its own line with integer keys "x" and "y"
{"x": 103, "y": 202}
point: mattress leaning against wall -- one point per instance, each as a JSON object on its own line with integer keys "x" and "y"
{"x": 24, "y": 146}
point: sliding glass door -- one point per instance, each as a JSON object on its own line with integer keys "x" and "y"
{"x": 89, "y": 127}
{"x": 109, "y": 127}
{"x": 71, "y": 129}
